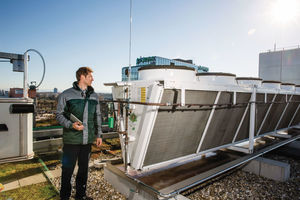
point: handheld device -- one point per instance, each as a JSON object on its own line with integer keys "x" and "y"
{"x": 73, "y": 118}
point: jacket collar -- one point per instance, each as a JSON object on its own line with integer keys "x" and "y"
{"x": 89, "y": 91}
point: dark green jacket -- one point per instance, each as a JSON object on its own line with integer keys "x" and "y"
{"x": 84, "y": 106}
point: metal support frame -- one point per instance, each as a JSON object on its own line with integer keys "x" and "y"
{"x": 21, "y": 57}
{"x": 150, "y": 117}
{"x": 263, "y": 122}
{"x": 286, "y": 106}
{"x": 266, "y": 97}
{"x": 208, "y": 121}
{"x": 280, "y": 135}
{"x": 25, "y": 87}
{"x": 182, "y": 97}
{"x": 186, "y": 184}
{"x": 239, "y": 149}
{"x": 234, "y": 98}
{"x": 11, "y": 56}
{"x": 252, "y": 119}
{"x": 240, "y": 125}
{"x": 294, "y": 115}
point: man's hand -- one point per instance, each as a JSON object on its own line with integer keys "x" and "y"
{"x": 99, "y": 142}
{"x": 78, "y": 126}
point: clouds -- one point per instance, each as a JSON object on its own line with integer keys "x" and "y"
{"x": 251, "y": 31}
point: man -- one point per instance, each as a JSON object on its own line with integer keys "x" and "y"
{"x": 82, "y": 102}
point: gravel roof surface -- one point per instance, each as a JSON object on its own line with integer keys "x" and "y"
{"x": 236, "y": 185}
{"x": 245, "y": 185}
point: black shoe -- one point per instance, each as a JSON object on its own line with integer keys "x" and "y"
{"x": 83, "y": 198}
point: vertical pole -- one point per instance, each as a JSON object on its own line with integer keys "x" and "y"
{"x": 252, "y": 119}
{"x": 126, "y": 139}
{"x": 25, "y": 89}
{"x": 182, "y": 97}
{"x": 294, "y": 115}
{"x": 129, "y": 71}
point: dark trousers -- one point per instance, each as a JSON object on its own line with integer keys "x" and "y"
{"x": 72, "y": 153}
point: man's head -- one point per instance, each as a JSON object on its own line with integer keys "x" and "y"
{"x": 84, "y": 75}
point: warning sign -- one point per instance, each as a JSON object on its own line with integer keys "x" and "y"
{"x": 143, "y": 94}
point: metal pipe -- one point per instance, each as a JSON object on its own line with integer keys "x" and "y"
{"x": 294, "y": 116}
{"x": 200, "y": 109}
{"x": 252, "y": 120}
{"x": 182, "y": 103}
{"x": 240, "y": 124}
{"x": 169, "y": 104}
{"x": 286, "y": 106}
{"x": 25, "y": 87}
{"x": 266, "y": 97}
{"x": 234, "y": 98}
{"x": 44, "y": 65}
{"x": 201, "y": 105}
{"x": 266, "y": 115}
{"x": 208, "y": 122}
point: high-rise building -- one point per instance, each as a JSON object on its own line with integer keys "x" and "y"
{"x": 156, "y": 60}
{"x": 55, "y": 90}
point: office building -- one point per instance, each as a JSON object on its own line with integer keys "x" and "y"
{"x": 156, "y": 60}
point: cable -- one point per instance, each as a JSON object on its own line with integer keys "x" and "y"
{"x": 44, "y": 65}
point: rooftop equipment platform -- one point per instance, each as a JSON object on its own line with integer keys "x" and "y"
{"x": 169, "y": 182}
{"x": 176, "y": 116}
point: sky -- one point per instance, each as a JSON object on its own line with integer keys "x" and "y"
{"x": 226, "y": 36}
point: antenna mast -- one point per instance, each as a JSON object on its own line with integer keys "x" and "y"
{"x": 129, "y": 71}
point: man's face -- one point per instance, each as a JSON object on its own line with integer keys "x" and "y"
{"x": 88, "y": 79}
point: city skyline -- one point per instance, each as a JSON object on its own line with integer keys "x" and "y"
{"x": 224, "y": 36}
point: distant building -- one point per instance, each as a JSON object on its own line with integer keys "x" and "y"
{"x": 55, "y": 90}
{"x": 280, "y": 65}
{"x": 3, "y": 94}
{"x": 156, "y": 60}
{"x": 16, "y": 92}
{"x": 105, "y": 96}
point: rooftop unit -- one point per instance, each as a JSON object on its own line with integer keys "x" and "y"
{"x": 172, "y": 116}
{"x": 16, "y": 140}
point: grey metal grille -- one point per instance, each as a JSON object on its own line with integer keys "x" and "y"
{"x": 178, "y": 133}
{"x": 225, "y": 121}
{"x": 274, "y": 114}
{"x": 291, "y": 109}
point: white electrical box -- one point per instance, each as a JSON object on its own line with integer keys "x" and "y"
{"x": 15, "y": 130}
